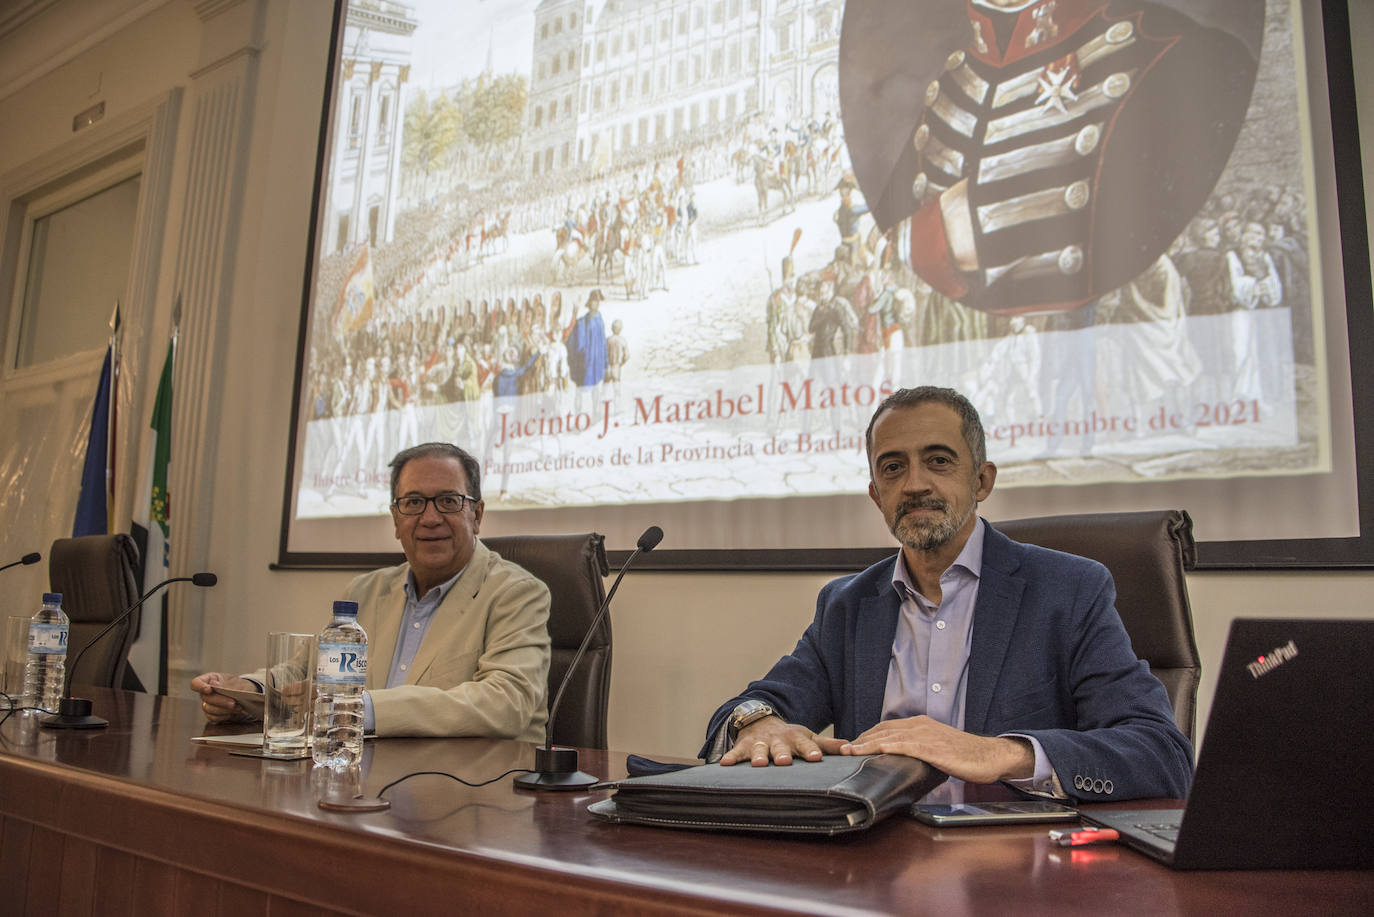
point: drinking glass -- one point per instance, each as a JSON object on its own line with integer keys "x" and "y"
{"x": 290, "y": 694}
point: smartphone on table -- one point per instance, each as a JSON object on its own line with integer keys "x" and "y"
{"x": 1021, "y": 811}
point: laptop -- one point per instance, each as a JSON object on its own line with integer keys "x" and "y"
{"x": 1283, "y": 780}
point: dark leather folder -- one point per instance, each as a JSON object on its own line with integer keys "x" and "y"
{"x": 838, "y": 794}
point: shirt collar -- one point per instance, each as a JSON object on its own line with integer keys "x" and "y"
{"x": 441, "y": 590}
{"x": 970, "y": 558}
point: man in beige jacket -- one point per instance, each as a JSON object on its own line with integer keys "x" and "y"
{"x": 458, "y": 637}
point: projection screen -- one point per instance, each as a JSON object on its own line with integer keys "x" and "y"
{"x": 656, "y": 262}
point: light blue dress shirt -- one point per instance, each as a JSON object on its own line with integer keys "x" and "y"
{"x": 928, "y": 673}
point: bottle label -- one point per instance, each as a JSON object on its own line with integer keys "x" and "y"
{"x": 48, "y": 639}
{"x": 342, "y": 664}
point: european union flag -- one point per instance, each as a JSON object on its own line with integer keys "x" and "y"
{"x": 92, "y": 516}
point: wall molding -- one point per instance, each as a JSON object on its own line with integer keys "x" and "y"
{"x": 222, "y": 102}
{"x": 46, "y": 35}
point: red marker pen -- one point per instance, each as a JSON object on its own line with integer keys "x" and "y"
{"x": 1077, "y": 837}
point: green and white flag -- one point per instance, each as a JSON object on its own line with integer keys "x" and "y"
{"x": 148, "y": 655}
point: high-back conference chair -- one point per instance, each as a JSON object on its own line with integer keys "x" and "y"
{"x": 95, "y": 574}
{"x": 574, "y": 568}
{"x": 1147, "y": 554}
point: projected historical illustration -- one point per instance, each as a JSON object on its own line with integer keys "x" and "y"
{"x": 664, "y": 250}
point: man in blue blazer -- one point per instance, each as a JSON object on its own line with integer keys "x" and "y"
{"x": 989, "y": 659}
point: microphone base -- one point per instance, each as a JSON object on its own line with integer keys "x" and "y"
{"x": 555, "y": 770}
{"x": 73, "y": 713}
{"x": 355, "y": 804}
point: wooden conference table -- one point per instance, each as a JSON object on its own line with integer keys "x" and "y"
{"x": 137, "y": 819}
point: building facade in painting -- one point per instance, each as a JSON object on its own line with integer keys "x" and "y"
{"x": 364, "y": 176}
{"x": 631, "y": 74}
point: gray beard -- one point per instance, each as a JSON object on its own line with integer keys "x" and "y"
{"x": 927, "y": 536}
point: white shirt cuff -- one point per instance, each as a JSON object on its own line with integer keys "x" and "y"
{"x": 1043, "y": 781}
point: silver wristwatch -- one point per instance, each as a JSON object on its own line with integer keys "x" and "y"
{"x": 750, "y": 711}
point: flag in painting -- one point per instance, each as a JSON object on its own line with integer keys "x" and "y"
{"x": 151, "y": 531}
{"x": 354, "y": 307}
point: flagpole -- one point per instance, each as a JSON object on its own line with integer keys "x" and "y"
{"x": 164, "y": 644}
{"x": 113, "y": 439}
{"x": 176, "y": 322}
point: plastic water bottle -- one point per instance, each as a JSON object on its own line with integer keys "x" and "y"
{"x": 46, "y": 669}
{"x": 339, "y": 677}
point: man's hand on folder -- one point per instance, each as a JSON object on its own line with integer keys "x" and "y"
{"x": 971, "y": 758}
{"x": 771, "y": 739}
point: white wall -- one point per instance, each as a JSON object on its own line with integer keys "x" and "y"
{"x": 682, "y": 641}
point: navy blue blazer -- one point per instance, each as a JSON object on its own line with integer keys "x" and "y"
{"x": 1050, "y": 659}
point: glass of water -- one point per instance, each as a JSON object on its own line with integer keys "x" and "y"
{"x": 290, "y": 694}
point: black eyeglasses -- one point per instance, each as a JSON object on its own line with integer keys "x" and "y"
{"x": 414, "y": 504}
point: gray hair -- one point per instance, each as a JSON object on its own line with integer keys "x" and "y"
{"x": 970, "y": 423}
{"x": 471, "y": 468}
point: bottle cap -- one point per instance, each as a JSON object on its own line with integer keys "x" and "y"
{"x": 346, "y": 608}
{"x": 52, "y": 598}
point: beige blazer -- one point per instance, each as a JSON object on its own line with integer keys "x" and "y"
{"x": 483, "y": 667}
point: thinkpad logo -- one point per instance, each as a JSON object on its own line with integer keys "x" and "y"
{"x": 1268, "y": 662}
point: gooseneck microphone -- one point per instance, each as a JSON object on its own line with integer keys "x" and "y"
{"x": 75, "y": 712}
{"x": 27, "y": 559}
{"x": 555, "y": 767}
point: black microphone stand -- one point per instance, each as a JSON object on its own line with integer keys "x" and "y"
{"x": 555, "y": 767}
{"x": 75, "y": 712}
